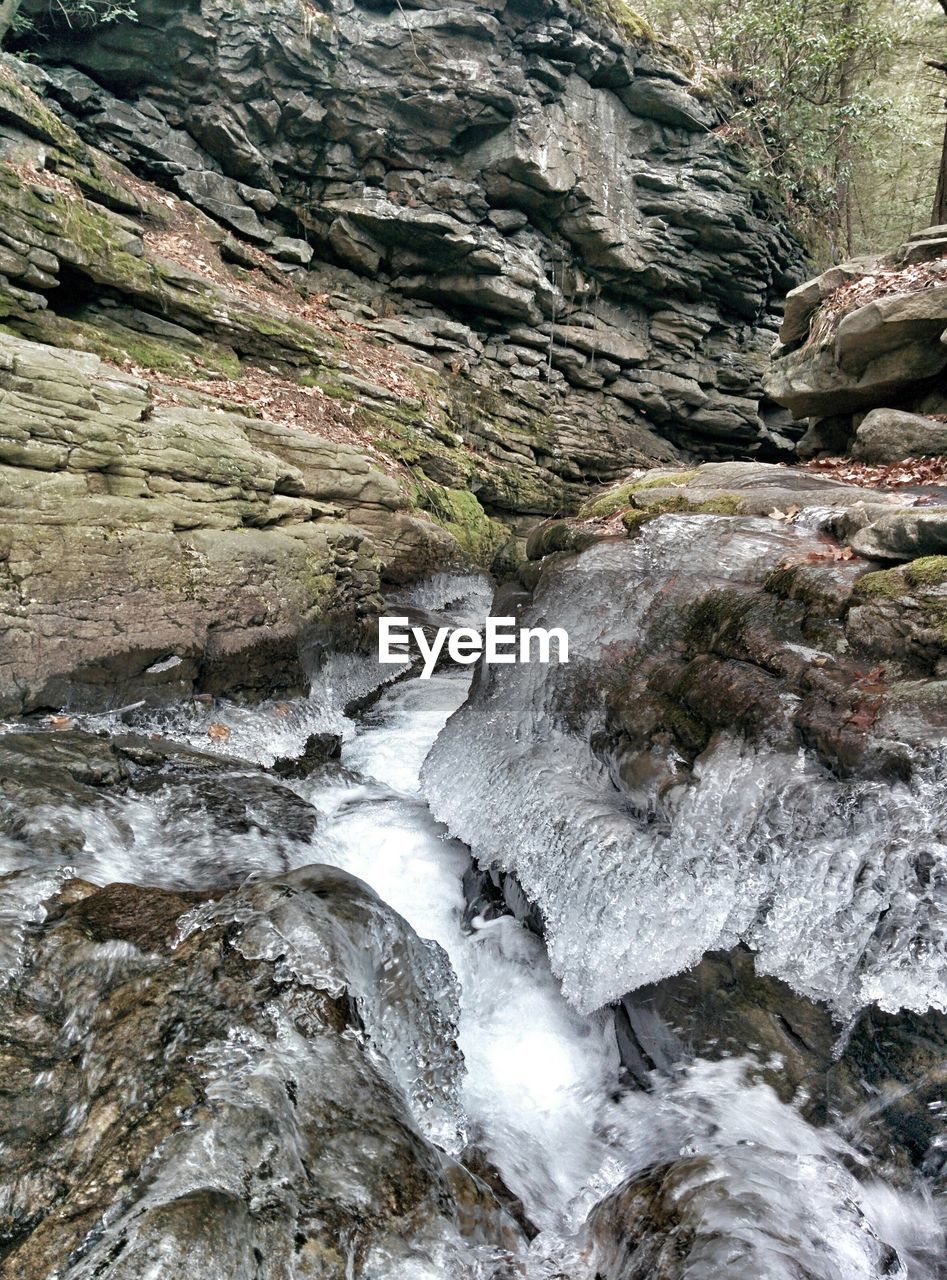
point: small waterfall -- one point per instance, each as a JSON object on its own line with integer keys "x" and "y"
{"x": 467, "y": 1030}
{"x": 837, "y": 885}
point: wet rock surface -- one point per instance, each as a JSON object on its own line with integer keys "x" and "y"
{"x": 763, "y": 657}
{"x": 684, "y": 1220}
{"x": 158, "y": 1038}
{"x": 50, "y": 778}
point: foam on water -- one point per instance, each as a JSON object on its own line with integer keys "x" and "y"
{"x": 541, "y": 1089}
{"x": 537, "y": 1075}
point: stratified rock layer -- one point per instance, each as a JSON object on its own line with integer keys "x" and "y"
{"x": 869, "y": 335}
{"x": 146, "y": 550}
{"x": 556, "y": 183}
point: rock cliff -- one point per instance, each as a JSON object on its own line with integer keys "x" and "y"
{"x": 364, "y": 290}
{"x": 542, "y": 169}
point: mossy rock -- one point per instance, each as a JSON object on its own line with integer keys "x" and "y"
{"x": 719, "y": 613}
{"x": 886, "y": 584}
{"x": 117, "y": 343}
{"x": 678, "y": 504}
{"x": 922, "y": 581}
{"x": 665, "y": 480}
{"x": 928, "y": 571}
{"x": 634, "y": 520}
{"x": 614, "y": 500}
{"x": 483, "y": 539}
{"x": 607, "y": 504}
{"x": 619, "y": 16}
{"x": 727, "y": 504}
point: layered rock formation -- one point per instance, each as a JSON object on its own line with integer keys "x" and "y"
{"x": 862, "y": 354}
{"x": 550, "y": 177}
{"x": 488, "y": 258}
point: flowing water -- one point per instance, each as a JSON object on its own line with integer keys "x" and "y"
{"x": 538, "y": 1092}
{"x": 837, "y": 885}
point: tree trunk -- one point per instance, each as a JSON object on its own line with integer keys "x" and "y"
{"x": 842, "y": 160}
{"x": 8, "y": 11}
{"x": 939, "y": 217}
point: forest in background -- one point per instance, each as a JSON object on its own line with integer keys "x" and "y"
{"x": 841, "y": 103}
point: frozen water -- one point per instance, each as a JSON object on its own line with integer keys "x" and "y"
{"x": 538, "y": 1076}
{"x": 838, "y": 885}
{"x": 538, "y": 1090}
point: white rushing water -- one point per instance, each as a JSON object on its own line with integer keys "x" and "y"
{"x": 541, "y": 1087}
{"x": 768, "y": 1197}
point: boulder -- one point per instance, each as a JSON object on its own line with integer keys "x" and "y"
{"x": 889, "y": 435}
{"x": 868, "y": 334}
{"x": 876, "y": 352}
{"x": 243, "y": 1039}
{"x": 903, "y": 535}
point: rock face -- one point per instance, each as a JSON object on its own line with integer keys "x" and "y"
{"x": 869, "y": 335}
{"x": 425, "y": 275}
{"x": 547, "y": 178}
{"x": 149, "y": 550}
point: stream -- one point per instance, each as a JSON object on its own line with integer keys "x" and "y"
{"x": 540, "y": 1094}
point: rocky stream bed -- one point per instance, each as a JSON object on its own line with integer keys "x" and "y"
{"x": 627, "y": 968}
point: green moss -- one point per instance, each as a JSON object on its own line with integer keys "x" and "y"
{"x": 619, "y": 16}
{"x": 607, "y": 504}
{"x": 635, "y": 520}
{"x": 928, "y": 571}
{"x": 25, "y": 109}
{"x": 118, "y": 344}
{"x": 726, "y": 505}
{"x": 459, "y": 512}
{"x": 886, "y": 584}
{"x": 665, "y": 480}
{"x": 674, "y": 504}
{"x": 920, "y": 579}
{"x": 613, "y": 500}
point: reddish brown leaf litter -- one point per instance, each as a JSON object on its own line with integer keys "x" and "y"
{"x": 276, "y": 399}
{"x": 883, "y": 283}
{"x": 893, "y": 475}
{"x": 183, "y": 244}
